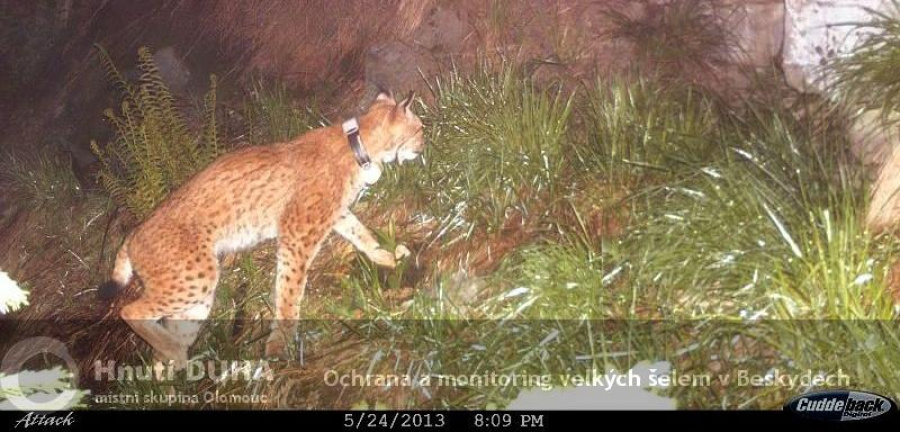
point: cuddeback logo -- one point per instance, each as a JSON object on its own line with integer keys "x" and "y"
{"x": 840, "y": 405}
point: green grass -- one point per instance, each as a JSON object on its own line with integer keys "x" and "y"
{"x": 547, "y": 288}
{"x": 640, "y": 128}
{"x": 871, "y": 68}
{"x": 561, "y": 281}
{"x": 497, "y": 145}
{"x": 772, "y": 207}
{"x": 39, "y": 180}
{"x": 747, "y": 228}
{"x": 743, "y": 251}
{"x": 44, "y": 187}
{"x": 771, "y": 236}
{"x": 272, "y": 115}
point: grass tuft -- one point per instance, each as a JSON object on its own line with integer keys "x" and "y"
{"x": 871, "y": 68}
{"x": 496, "y": 147}
{"x": 39, "y": 180}
{"x": 686, "y": 39}
{"x": 272, "y": 115}
{"x": 640, "y": 128}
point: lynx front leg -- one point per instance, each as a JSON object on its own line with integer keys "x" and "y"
{"x": 295, "y": 254}
{"x": 350, "y": 228}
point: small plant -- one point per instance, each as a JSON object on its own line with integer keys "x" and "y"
{"x": 43, "y": 390}
{"x": 35, "y": 390}
{"x": 154, "y": 151}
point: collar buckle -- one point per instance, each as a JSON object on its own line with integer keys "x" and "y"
{"x": 350, "y": 126}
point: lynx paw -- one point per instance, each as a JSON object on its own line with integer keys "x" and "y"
{"x": 178, "y": 360}
{"x": 383, "y": 258}
{"x": 275, "y": 346}
{"x": 401, "y": 251}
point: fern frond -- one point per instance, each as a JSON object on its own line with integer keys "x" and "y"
{"x": 113, "y": 75}
{"x": 211, "y": 130}
{"x": 154, "y": 152}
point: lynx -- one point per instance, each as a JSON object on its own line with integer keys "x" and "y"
{"x": 295, "y": 192}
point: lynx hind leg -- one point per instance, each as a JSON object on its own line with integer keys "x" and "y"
{"x": 143, "y": 316}
{"x": 175, "y": 300}
{"x": 296, "y": 252}
{"x": 185, "y": 326}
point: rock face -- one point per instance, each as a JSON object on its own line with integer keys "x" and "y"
{"x": 173, "y": 70}
{"x": 800, "y": 35}
{"x": 391, "y": 66}
{"x": 817, "y": 31}
{"x": 758, "y": 26}
{"x": 338, "y": 46}
{"x": 396, "y": 65}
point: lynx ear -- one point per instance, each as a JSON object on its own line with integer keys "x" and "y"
{"x": 405, "y": 104}
{"x": 385, "y": 96}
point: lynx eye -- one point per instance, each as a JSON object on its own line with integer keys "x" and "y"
{"x": 419, "y": 131}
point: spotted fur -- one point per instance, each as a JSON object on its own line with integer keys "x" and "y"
{"x": 295, "y": 192}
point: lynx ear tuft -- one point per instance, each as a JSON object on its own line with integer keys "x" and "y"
{"x": 406, "y": 103}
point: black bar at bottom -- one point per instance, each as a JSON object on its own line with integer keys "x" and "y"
{"x": 411, "y": 420}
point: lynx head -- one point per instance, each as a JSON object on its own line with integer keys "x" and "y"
{"x": 397, "y": 129}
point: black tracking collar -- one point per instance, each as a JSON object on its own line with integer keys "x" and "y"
{"x": 351, "y": 129}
